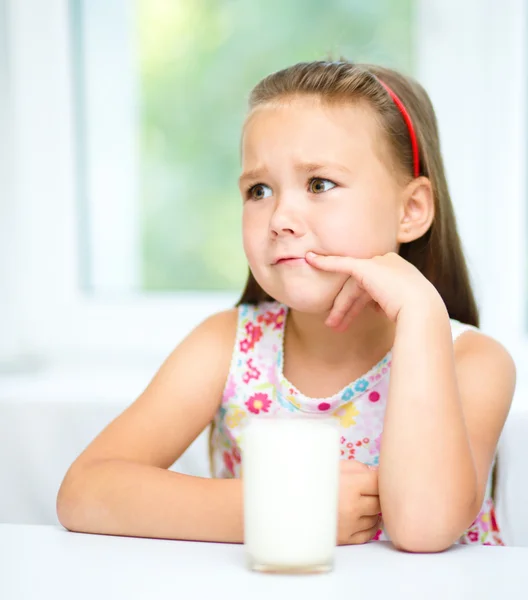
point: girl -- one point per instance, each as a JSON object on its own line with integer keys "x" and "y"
{"x": 358, "y": 305}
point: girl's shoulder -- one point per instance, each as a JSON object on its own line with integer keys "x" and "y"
{"x": 478, "y": 337}
{"x": 476, "y": 343}
{"x": 212, "y": 340}
{"x": 458, "y": 328}
{"x": 482, "y": 353}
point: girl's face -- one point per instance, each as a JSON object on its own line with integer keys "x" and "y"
{"x": 314, "y": 178}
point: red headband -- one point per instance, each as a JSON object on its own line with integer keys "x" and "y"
{"x": 410, "y": 127}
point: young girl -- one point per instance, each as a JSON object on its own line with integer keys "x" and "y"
{"x": 358, "y": 305}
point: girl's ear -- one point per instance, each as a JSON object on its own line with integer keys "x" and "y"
{"x": 418, "y": 210}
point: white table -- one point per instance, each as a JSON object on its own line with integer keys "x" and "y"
{"x": 40, "y": 561}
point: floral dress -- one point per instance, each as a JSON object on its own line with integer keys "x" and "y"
{"x": 256, "y": 385}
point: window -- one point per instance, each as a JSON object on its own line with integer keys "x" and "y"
{"x": 161, "y": 95}
{"x": 124, "y": 171}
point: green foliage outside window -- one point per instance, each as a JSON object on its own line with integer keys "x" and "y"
{"x": 198, "y": 60}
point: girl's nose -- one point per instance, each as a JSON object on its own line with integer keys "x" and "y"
{"x": 286, "y": 220}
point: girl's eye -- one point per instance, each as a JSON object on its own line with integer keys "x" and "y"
{"x": 317, "y": 185}
{"x": 259, "y": 191}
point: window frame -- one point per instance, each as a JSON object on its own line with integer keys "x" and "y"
{"x": 60, "y": 323}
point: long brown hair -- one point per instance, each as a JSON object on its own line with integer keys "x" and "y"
{"x": 438, "y": 253}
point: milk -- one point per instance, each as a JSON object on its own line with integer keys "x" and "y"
{"x": 291, "y": 482}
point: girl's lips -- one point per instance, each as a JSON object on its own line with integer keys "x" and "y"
{"x": 291, "y": 261}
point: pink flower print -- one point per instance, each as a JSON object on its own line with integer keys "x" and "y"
{"x": 494, "y": 526}
{"x": 253, "y": 332}
{"x": 378, "y": 535}
{"x": 251, "y": 373}
{"x": 376, "y": 447}
{"x": 473, "y": 536}
{"x": 236, "y": 455}
{"x": 266, "y": 318}
{"x": 228, "y": 462}
{"x": 230, "y": 390}
{"x": 273, "y": 318}
{"x": 258, "y": 402}
{"x": 484, "y": 519}
{"x": 253, "y": 336}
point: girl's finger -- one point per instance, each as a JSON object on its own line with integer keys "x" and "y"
{"x": 369, "y": 522}
{"x": 336, "y": 264}
{"x": 370, "y": 506}
{"x": 368, "y": 483}
{"x": 343, "y": 302}
{"x": 357, "y": 306}
{"x": 362, "y": 537}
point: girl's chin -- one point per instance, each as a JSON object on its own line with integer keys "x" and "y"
{"x": 311, "y": 303}
{"x": 313, "y": 294}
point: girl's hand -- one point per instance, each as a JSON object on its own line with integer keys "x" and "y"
{"x": 359, "y": 506}
{"x": 389, "y": 282}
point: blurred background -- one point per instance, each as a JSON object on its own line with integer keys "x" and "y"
{"x": 119, "y": 145}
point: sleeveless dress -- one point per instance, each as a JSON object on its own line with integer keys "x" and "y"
{"x": 256, "y": 384}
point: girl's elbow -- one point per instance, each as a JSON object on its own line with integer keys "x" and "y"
{"x": 433, "y": 530}
{"x": 424, "y": 543}
{"x": 427, "y": 536}
{"x": 70, "y": 503}
{"x": 66, "y": 506}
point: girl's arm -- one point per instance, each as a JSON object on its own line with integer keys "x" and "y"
{"x": 446, "y": 409}
{"x": 120, "y": 484}
{"x": 444, "y": 416}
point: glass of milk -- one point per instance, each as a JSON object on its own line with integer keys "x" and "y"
{"x": 290, "y": 473}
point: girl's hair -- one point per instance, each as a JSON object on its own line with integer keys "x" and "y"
{"x": 438, "y": 253}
